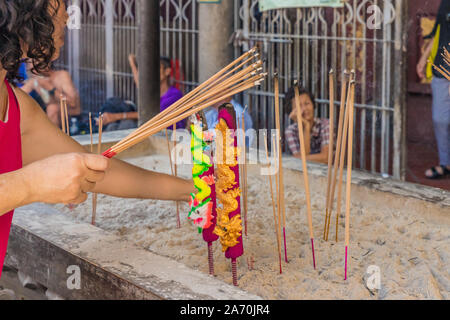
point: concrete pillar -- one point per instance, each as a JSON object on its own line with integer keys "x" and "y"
{"x": 148, "y": 60}
{"x": 216, "y": 25}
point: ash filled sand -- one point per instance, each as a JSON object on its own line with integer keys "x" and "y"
{"x": 410, "y": 246}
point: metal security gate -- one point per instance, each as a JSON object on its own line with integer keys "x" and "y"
{"x": 97, "y": 54}
{"x": 305, "y": 43}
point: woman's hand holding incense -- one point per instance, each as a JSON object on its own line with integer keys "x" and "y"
{"x": 64, "y": 178}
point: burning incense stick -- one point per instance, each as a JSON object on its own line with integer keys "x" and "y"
{"x": 99, "y": 150}
{"x": 331, "y": 144}
{"x": 305, "y": 170}
{"x": 349, "y": 174}
{"x": 280, "y": 189}
{"x": 275, "y": 219}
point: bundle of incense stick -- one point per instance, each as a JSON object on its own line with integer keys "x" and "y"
{"x": 441, "y": 69}
{"x": 240, "y": 75}
{"x": 280, "y": 179}
{"x": 99, "y": 149}
{"x": 340, "y": 155}
{"x": 305, "y": 170}
{"x": 64, "y": 115}
{"x": 276, "y": 219}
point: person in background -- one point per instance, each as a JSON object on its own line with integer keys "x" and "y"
{"x": 47, "y": 91}
{"x": 168, "y": 93}
{"x": 440, "y": 89}
{"x": 118, "y": 114}
{"x": 316, "y": 130}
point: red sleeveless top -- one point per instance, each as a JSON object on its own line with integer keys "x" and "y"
{"x": 10, "y": 160}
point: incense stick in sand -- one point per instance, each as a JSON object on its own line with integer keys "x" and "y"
{"x": 342, "y": 156}
{"x": 226, "y": 83}
{"x": 349, "y": 175}
{"x": 99, "y": 150}
{"x": 280, "y": 189}
{"x": 331, "y": 144}
{"x": 338, "y": 153}
{"x": 170, "y": 153}
{"x": 90, "y": 132}
{"x": 305, "y": 170}
{"x": 63, "y": 113}
{"x": 244, "y": 173}
{"x": 175, "y": 169}
{"x": 275, "y": 219}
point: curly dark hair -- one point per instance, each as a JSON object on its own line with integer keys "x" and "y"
{"x": 27, "y": 22}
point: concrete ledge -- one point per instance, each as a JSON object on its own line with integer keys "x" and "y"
{"x": 44, "y": 243}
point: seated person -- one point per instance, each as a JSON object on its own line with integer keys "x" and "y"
{"x": 47, "y": 92}
{"x": 316, "y": 130}
{"x": 168, "y": 93}
{"x": 212, "y": 113}
{"x": 118, "y": 115}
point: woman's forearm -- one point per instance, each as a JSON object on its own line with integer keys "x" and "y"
{"x": 19, "y": 197}
{"x": 127, "y": 181}
{"x": 427, "y": 51}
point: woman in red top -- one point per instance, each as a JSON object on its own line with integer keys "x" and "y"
{"x": 38, "y": 163}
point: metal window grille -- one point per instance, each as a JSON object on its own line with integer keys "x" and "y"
{"x": 305, "y": 43}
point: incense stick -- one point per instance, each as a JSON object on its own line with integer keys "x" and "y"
{"x": 338, "y": 152}
{"x": 275, "y": 220}
{"x": 331, "y": 144}
{"x": 196, "y": 92}
{"x": 280, "y": 191}
{"x": 66, "y": 116}
{"x": 349, "y": 175}
{"x": 90, "y": 132}
{"x": 99, "y": 150}
{"x": 175, "y": 169}
{"x": 244, "y": 173}
{"x": 305, "y": 170}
